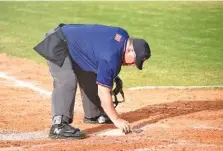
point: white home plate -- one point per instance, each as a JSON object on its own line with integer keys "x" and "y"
{"x": 116, "y": 132}
{"x": 111, "y": 132}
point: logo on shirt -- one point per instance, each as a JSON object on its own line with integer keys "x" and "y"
{"x": 118, "y": 37}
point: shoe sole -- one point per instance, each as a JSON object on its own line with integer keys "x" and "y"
{"x": 96, "y": 122}
{"x": 91, "y": 122}
{"x": 66, "y": 137}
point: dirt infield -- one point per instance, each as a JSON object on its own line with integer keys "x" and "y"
{"x": 170, "y": 119}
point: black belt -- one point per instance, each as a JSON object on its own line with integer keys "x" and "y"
{"x": 54, "y": 46}
{"x": 58, "y": 30}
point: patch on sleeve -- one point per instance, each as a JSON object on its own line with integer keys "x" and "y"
{"x": 118, "y": 37}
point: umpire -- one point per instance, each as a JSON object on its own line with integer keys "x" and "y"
{"x": 90, "y": 55}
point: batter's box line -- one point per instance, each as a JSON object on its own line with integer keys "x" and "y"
{"x": 33, "y": 87}
{"x": 24, "y": 84}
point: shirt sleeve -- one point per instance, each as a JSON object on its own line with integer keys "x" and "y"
{"x": 123, "y": 32}
{"x": 105, "y": 74}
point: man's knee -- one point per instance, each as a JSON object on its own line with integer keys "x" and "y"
{"x": 66, "y": 79}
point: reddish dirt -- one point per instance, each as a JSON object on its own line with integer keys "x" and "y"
{"x": 186, "y": 119}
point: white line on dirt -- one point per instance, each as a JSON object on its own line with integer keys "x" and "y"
{"x": 24, "y": 136}
{"x": 4, "y": 135}
{"x": 175, "y": 87}
{"x": 45, "y": 92}
{"x": 24, "y": 84}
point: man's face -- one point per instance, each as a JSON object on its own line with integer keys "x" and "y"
{"x": 130, "y": 56}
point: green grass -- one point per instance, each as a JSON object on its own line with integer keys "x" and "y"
{"x": 186, "y": 38}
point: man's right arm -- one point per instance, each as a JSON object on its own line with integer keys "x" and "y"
{"x": 105, "y": 80}
{"x": 107, "y": 104}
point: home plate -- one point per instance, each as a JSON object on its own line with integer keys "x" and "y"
{"x": 116, "y": 132}
{"x": 111, "y": 132}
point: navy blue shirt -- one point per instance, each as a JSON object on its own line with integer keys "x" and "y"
{"x": 97, "y": 48}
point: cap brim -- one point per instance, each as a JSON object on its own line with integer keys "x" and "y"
{"x": 139, "y": 64}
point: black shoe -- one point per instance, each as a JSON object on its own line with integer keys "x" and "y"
{"x": 64, "y": 130}
{"x": 102, "y": 119}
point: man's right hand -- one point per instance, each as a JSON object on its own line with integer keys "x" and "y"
{"x": 122, "y": 125}
{"x": 107, "y": 104}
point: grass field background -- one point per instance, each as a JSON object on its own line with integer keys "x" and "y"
{"x": 186, "y": 38}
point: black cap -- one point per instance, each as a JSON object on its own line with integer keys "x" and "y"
{"x": 142, "y": 50}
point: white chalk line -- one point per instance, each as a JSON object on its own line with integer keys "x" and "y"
{"x": 38, "y": 135}
{"x": 24, "y": 84}
{"x": 175, "y": 87}
{"x": 41, "y": 135}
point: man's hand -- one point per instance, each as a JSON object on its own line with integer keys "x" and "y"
{"x": 107, "y": 105}
{"x": 122, "y": 125}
